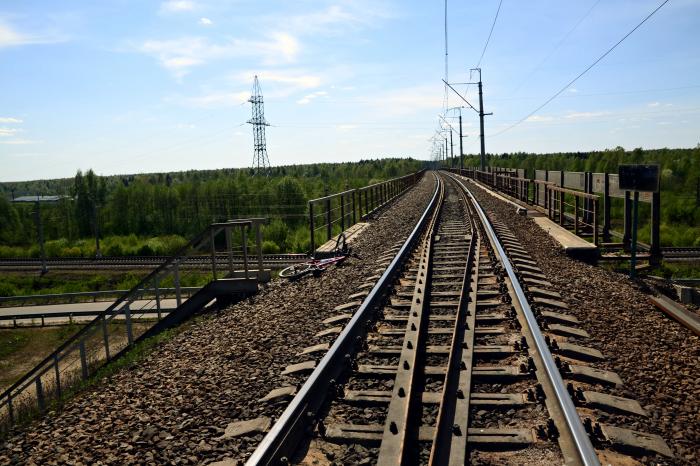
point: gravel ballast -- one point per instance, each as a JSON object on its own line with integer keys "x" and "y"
{"x": 174, "y": 407}
{"x": 657, "y": 358}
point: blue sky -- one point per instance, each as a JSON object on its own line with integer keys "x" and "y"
{"x": 128, "y": 86}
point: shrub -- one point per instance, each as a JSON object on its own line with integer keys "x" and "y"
{"x": 270, "y": 247}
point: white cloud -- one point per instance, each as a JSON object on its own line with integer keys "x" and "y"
{"x": 539, "y": 118}
{"x": 205, "y": 21}
{"x": 18, "y": 141}
{"x": 407, "y": 101}
{"x": 218, "y": 99}
{"x": 309, "y": 97}
{"x": 335, "y": 19}
{"x": 8, "y": 131}
{"x": 10, "y": 120}
{"x": 179, "y": 55}
{"x": 654, "y": 104}
{"x": 9, "y": 37}
{"x": 175, "y": 6}
{"x": 345, "y": 127}
{"x": 583, "y": 115}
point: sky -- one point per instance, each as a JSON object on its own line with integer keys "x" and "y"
{"x": 132, "y": 86}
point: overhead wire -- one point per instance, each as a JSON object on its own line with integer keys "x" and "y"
{"x": 556, "y": 47}
{"x": 556, "y": 94}
{"x": 488, "y": 39}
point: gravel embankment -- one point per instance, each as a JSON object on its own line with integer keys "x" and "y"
{"x": 171, "y": 408}
{"x": 657, "y": 358}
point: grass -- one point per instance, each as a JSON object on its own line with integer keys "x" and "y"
{"x": 27, "y": 412}
{"x": 23, "y": 283}
{"x": 23, "y": 348}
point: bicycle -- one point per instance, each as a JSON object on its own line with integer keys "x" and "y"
{"x": 316, "y": 266}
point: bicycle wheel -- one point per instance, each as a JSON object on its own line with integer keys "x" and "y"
{"x": 296, "y": 270}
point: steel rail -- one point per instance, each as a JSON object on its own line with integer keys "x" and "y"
{"x": 583, "y": 445}
{"x": 284, "y": 435}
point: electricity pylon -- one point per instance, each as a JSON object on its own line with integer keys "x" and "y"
{"x": 261, "y": 164}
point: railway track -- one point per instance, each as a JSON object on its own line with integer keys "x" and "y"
{"x": 454, "y": 352}
{"x": 113, "y": 262}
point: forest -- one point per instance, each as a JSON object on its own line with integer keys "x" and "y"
{"x": 155, "y": 214}
{"x": 680, "y": 182}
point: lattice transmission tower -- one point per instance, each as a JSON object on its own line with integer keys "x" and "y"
{"x": 261, "y": 164}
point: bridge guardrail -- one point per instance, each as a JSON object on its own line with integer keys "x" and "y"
{"x": 344, "y": 208}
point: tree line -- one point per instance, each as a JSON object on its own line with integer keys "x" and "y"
{"x": 177, "y": 204}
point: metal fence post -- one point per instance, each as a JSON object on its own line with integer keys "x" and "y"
{"x": 245, "y": 251}
{"x": 212, "y": 237}
{"x": 655, "y": 239}
{"x": 229, "y": 250}
{"x": 606, "y": 207}
{"x": 561, "y": 208}
{"x": 627, "y": 230}
{"x": 342, "y": 212}
{"x": 58, "y": 376}
{"x": 328, "y": 220}
{"x": 40, "y": 394}
{"x": 176, "y": 280}
{"x": 258, "y": 249}
{"x": 576, "y": 203}
{"x": 595, "y": 222}
{"x": 311, "y": 226}
{"x": 156, "y": 287}
{"x": 83, "y": 360}
{"x": 129, "y": 330}
{"x": 105, "y": 335}
{"x": 354, "y": 213}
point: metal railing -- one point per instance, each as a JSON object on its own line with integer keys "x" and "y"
{"x": 105, "y": 338}
{"x": 573, "y": 209}
{"x": 342, "y": 210}
{"x": 77, "y": 297}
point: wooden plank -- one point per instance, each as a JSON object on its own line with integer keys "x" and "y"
{"x": 677, "y": 312}
{"x": 350, "y": 235}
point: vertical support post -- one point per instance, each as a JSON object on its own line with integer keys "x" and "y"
{"x": 176, "y": 280}
{"x": 368, "y": 200}
{"x": 40, "y": 234}
{"x": 342, "y": 212}
{"x": 635, "y": 218}
{"x": 576, "y": 203}
{"x": 312, "y": 227}
{"x": 244, "y": 233}
{"x": 627, "y": 231}
{"x": 561, "y": 208}
{"x": 229, "y": 249}
{"x": 595, "y": 222}
{"x": 655, "y": 227}
{"x": 354, "y": 208}
{"x": 40, "y": 395}
{"x": 156, "y": 287}
{"x": 129, "y": 328}
{"x": 258, "y": 249}
{"x": 546, "y": 179}
{"x": 212, "y": 237}
{"x": 57, "y": 373}
{"x": 105, "y": 337}
{"x": 10, "y": 409}
{"x": 83, "y": 359}
{"x": 328, "y": 218}
{"x": 606, "y": 207}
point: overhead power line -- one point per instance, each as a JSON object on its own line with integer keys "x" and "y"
{"x": 488, "y": 39}
{"x": 556, "y": 47}
{"x": 546, "y": 102}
